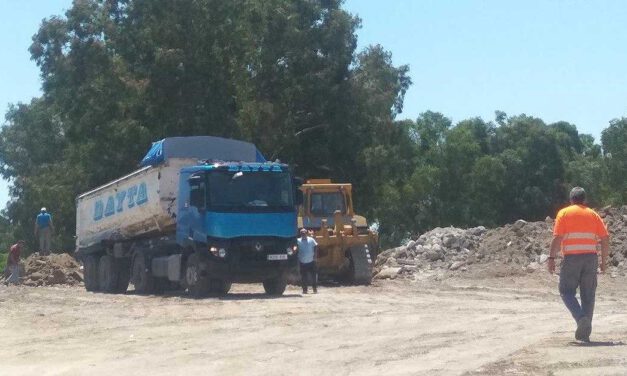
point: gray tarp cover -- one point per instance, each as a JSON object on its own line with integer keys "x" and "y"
{"x": 202, "y": 147}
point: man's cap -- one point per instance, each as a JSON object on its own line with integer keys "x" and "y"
{"x": 43, "y": 209}
{"x": 577, "y": 194}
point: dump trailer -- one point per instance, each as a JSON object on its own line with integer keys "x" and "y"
{"x": 346, "y": 245}
{"x": 200, "y": 213}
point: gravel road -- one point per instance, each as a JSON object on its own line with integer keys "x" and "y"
{"x": 498, "y": 326}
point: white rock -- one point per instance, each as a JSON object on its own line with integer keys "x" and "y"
{"x": 437, "y": 248}
{"x": 388, "y": 273}
{"x": 479, "y": 230}
{"x": 543, "y": 258}
{"x": 519, "y": 224}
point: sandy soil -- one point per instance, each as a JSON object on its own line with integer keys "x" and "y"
{"x": 499, "y": 326}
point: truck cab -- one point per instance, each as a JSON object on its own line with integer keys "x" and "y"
{"x": 240, "y": 220}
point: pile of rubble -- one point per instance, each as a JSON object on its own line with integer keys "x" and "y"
{"x": 521, "y": 247}
{"x": 56, "y": 269}
{"x": 616, "y": 221}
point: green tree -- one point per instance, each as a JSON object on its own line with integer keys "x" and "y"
{"x": 534, "y": 169}
{"x": 614, "y": 141}
{"x": 466, "y": 143}
{"x": 117, "y": 75}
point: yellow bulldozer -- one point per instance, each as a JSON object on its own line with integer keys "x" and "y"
{"x": 346, "y": 245}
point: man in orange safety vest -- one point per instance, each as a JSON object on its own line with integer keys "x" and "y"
{"x": 578, "y": 232}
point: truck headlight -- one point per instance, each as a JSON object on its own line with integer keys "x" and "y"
{"x": 289, "y": 251}
{"x": 218, "y": 252}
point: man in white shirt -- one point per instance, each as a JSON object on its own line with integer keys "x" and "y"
{"x": 307, "y": 252}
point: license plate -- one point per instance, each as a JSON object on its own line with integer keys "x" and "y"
{"x": 277, "y": 257}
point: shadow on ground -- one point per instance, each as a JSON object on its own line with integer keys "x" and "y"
{"x": 598, "y": 343}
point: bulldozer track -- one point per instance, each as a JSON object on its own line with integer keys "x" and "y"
{"x": 362, "y": 269}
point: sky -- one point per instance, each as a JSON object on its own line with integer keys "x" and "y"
{"x": 553, "y": 59}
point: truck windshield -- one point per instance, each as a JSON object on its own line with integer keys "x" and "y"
{"x": 250, "y": 191}
{"x": 325, "y": 204}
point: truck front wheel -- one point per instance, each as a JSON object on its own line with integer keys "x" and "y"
{"x": 275, "y": 286}
{"x": 196, "y": 279}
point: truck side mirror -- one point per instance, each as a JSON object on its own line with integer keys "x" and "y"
{"x": 197, "y": 191}
{"x": 298, "y": 195}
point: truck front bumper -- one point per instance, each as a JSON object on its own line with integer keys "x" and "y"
{"x": 247, "y": 270}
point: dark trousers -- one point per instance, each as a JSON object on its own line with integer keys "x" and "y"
{"x": 579, "y": 271}
{"x": 308, "y": 272}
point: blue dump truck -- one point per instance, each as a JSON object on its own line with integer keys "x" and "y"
{"x": 200, "y": 213}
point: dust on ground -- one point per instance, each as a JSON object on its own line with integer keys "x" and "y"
{"x": 494, "y": 326}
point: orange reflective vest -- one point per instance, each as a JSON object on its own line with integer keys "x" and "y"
{"x": 581, "y": 228}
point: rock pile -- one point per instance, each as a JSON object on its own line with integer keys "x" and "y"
{"x": 521, "y": 247}
{"x": 616, "y": 221}
{"x": 56, "y": 269}
{"x": 442, "y": 248}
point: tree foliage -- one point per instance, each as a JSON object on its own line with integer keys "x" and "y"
{"x": 614, "y": 140}
{"x": 485, "y": 173}
{"x": 285, "y": 75}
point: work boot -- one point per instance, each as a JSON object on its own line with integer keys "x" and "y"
{"x": 304, "y": 291}
{"x": 584, "y": 328}
{"x": 315, "y": 290}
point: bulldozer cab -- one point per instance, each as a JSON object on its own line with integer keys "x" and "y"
{"x": 323, "y": 199}
{"x": 344, "y": 240}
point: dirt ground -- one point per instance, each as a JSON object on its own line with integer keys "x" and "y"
{"x": 497, "y": 326}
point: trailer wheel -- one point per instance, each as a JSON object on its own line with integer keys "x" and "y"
{"x": 107, "y": 274}
{"x": 196, "y": 277}
{"x": 275, "y": 286}
{"x": 142, "y": 279}
{"x": 123, "y": 266}
{"x": 90, "y": 273}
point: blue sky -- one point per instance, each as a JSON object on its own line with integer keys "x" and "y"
{"x": 557, "y": 60}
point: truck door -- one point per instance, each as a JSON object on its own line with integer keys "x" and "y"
{"x": 197, "y": 208}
